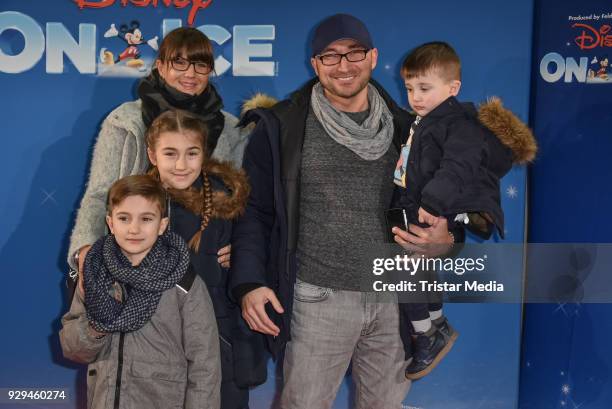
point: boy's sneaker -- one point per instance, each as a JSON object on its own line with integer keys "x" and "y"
{"x": 446, "y": 329}
{"x": 429, "y": 349}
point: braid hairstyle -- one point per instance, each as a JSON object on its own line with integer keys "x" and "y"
{"x": 205, "y": 211}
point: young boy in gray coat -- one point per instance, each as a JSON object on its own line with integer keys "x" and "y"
{"x": 141, "y": 319}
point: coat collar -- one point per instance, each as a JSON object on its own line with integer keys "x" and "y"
{"x": 451, "y": 107}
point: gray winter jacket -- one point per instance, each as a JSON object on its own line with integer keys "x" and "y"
{"x": 120, "y": 151}
{"x": 171, "y": 362}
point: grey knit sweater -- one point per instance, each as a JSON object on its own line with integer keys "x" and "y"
{"x": 342, "y": 202}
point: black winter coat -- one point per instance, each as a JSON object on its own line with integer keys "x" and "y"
{"x": 243, "y": 352}
{"x": 264, "y": 239}
{"x": 455, "y": 165}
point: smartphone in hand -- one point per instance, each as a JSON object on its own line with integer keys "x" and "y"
{"x": 395, "y": 217}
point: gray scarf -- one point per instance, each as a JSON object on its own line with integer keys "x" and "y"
{"x": 371, "y": 139}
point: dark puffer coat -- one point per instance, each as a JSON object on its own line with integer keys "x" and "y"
{"x": 456, "y": 161}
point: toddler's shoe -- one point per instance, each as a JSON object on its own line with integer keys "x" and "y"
{"x": 429, "y": 349}
{"x": 446, "y": 329}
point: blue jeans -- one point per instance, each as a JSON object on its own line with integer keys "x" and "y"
{"x": 329, "y": 330}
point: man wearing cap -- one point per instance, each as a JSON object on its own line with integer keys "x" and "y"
{"x": 319, "y": 164}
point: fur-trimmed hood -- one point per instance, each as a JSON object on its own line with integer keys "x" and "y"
{"x": 511, "y": 131}
{"x": 230, "y": 202}
{"x": 258, "y": 100}
{"x": 230, "y": 190}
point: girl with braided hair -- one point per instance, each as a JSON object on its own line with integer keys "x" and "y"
{"x": 204, "y": 196}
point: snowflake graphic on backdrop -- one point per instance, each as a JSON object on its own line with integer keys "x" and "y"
{"x": 512, "y": 192}
{"x": 565, "y": 389}
{"x": 566, "y": 400}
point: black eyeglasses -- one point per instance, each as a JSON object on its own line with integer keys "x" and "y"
{"x": 182, "y": 64}
{"x": 351, "y": 56}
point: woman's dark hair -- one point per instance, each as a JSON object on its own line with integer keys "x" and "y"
{"x": 189, "y": 43}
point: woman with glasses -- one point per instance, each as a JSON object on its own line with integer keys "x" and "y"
{"x": 180, "y": 80}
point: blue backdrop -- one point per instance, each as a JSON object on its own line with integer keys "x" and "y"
{"x": 52, "y": 103}
{"x": 566, "y": 361}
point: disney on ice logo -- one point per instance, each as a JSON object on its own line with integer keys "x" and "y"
{"x": 134, "y": 56}
{"x": 591, "y": 69}
{"x": 590, "y": 37}
{"x": 196, "y": 5}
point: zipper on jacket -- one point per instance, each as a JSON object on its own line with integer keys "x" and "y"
{"x": 223, "y": 339}
{"x": 119, "y": 371}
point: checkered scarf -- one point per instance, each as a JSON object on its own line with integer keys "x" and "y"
{"x": 105, "y": 264}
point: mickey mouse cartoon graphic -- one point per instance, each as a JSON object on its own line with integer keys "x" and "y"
{"x": 599, "y": 69}
{"x": 133, "y": 38}
{"x": 602, "y": 72}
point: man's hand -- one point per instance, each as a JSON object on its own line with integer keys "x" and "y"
{"x": 431, "y": 241}
{"x": 426, "y": 217}
{"x": 254, "y": 312}
{"x": 224, "y": 255}
{"x": 81, "y": 283}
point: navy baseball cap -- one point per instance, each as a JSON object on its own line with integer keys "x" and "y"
{"x": 340, "y": 27}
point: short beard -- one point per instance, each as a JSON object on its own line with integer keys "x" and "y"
{"x": 336, "y": 92}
